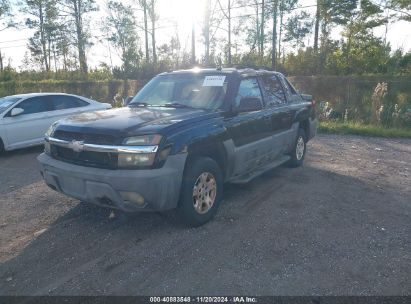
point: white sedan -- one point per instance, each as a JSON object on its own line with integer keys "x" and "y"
{"x": 24, "y": 119}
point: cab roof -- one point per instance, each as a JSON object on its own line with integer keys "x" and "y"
{"x": 240, "y": 71}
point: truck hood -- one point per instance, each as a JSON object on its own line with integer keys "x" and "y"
{"x": 129, "y": 121}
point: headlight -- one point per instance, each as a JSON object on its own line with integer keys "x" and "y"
{"x": 144, "y": 140}
{"x": 47, "y": 148}
{"x": 51, "y": 129}
{"x": 131, "y": 160}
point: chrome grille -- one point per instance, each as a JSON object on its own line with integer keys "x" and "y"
{"x": 101, "y": 139}
{"x": 85, "y": 158}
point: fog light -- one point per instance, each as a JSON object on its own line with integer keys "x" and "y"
{"x": 128, "y": 160}
{"x": 133, "y": 197}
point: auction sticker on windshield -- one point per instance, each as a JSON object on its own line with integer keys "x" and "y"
{"x": 213, "y": 81}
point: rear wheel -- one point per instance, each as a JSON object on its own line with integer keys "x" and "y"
{"x": 201, "y": 191}
{"x": 299, "y": 149}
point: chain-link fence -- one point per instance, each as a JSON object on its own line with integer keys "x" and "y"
{"x": 384, "y": 100}
{"x": 104, "y": 91}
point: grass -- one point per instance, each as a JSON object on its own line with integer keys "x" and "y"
{"x": 361, "y": 129}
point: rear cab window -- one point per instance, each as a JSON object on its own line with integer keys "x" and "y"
{"x": 290, "y": 91}
{"x": 273, "y": 90}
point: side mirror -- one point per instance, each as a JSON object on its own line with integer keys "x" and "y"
{"x": 16, "y": 111}
{"x": 249, "y": 104}
{"x": 128, "y": 100}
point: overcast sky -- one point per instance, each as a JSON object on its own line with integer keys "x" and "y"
{"x": 176, "y": 16}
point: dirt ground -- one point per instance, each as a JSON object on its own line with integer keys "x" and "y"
{"x": 340, "y": 225}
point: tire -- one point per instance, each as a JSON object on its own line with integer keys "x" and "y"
{"x": 1, "y": 147}
{"x": 297, "y": 159}
{"x": 201, "y": 191}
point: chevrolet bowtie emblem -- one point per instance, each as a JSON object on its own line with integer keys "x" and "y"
{"x": 76, "y": 146}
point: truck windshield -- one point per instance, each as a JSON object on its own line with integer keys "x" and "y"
{"x": 183, "y": 90}
{"x": 6, "y": 102}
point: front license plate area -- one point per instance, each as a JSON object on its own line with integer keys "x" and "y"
{"x": 72, "y": 186}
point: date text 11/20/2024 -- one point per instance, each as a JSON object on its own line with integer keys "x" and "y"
{"x": 240, "y": 299}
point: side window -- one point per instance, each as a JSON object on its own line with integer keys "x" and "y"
{"x": 274, "y": 91}
{"x": 35, "y": 105}
{"x": 62, "y": 102}
{"x": 248, "y": 88}
{"x": 290, "y": 91}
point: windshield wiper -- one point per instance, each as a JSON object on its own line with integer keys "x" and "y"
{"x": 139, "y": 104}
{"x": 176, "y": 105}
{"x": 166, "y": 105}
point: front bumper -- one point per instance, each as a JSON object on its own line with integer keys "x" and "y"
{"x": 160, "y": 188}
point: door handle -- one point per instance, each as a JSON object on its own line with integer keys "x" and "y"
{"x": 290, "y": 114}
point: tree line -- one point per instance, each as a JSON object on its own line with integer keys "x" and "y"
{"x": 280, "y": 34}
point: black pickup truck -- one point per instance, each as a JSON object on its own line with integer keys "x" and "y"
{"x": 183, "y": 136}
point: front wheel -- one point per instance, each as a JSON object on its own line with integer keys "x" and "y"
{"x": 2, "y": 150}
{"x": 299, "y": 149}
{"x": 201, "y": 192}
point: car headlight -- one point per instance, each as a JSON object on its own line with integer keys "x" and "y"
{"x": 143, "y": 140}
{"x": 47, "y": 147}
{"x": 131, "y": 160}
{"x": 51, "y": 129}
{"x": 49, "y": 133}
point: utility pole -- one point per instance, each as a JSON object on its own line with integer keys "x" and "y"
{"x": 229, "y": 32}
{"x": 257, "y": 29}
{"x": 1, "y": 62}
{"x": 280, "y": 29}
{"x": 317, "y": 27}
{"x": 193, "y": 43}
{"x": 146, "y": 30}
{"x": 262, "y": 30}
{"x": 206, "y": 32}
{"x": 274, "y": 39}
{"x": 228, "y": 16}
{"x": 109, "y": 53}
{"x": 153, "y": 30}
